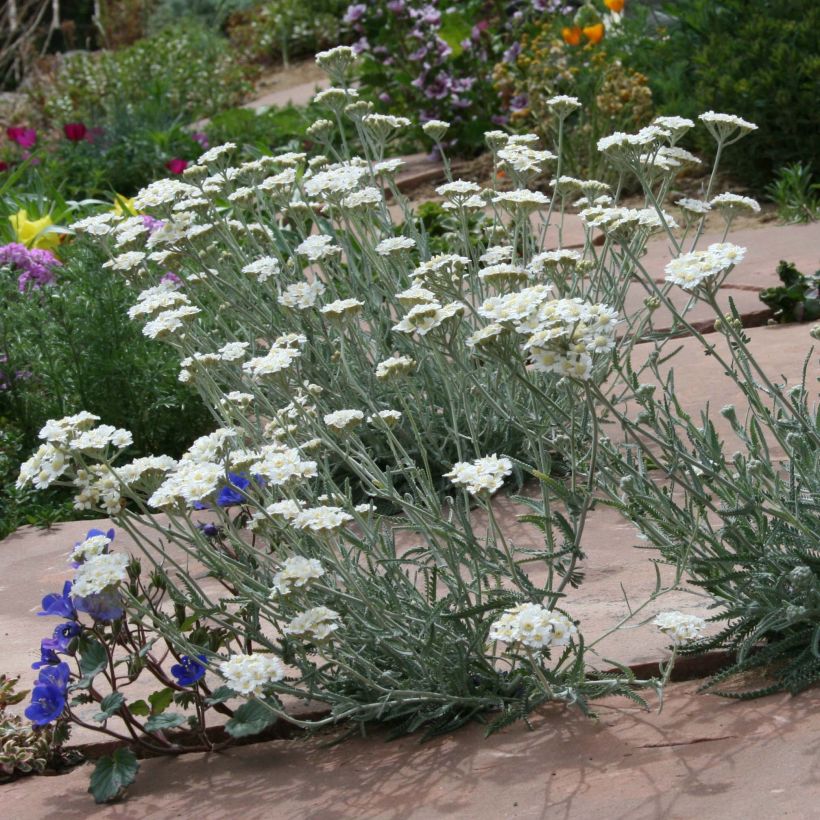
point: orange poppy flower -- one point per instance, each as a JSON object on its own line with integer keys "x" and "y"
{"x": 615, "y": 5}
{"x": 594, "y": 33}
{"x": 572, "y": 36}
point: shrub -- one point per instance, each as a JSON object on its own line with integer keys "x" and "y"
{"x": 759, "y": 60}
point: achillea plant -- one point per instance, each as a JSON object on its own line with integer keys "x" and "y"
{"x": 372, "y": 398}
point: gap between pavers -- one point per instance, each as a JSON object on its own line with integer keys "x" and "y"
{"x": 701, "y": 757}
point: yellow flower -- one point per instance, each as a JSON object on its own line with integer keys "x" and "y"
{"x": 30, "y": 232}
{"x": 572, "y": 36}
{"x": 615, "y": 5}
{"x": 124, "y": 205}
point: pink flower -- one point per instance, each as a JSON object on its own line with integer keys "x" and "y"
{"x": 24, "y": 137}
{"x": 75, "y": 131}
{"x": 176, "y": 166}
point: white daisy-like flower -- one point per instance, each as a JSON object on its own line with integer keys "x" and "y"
{"x": 263, "y": 268}
{"x": 482, "y": 476}
{"x": 315, "y": 624}
{"x": 318, "y": 247}
{"x": 533, "y": 626}
{"x": 297, "y": 571}
{"x": 680, "y": 627}
{"x": 98, "y": 573}
{"x": 302, "y": 295}
{"x": 344, "y": 420}
{"x": 735, "y": 202}
{"x": 250, "y": 674}
{"x": 394, "y": 244}
{"x": 321, "y": 519}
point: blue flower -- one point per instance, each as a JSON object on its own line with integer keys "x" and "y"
{"x": 92, "y": 533}
{"x": 64, "y": 634}
{"x": 229, "y": 495}
{"x": 189, "y": 670}
{"x": 49, "y": 695}
{"x": 48, "y": 654}
{"x": 101, "y": 606}
{"x": 59, "y": 604}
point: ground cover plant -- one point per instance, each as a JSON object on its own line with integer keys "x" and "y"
{"x": 372, "y": 397}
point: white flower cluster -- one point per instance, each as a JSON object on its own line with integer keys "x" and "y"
{"x": 297, "y": 571}
{"x": 90, "y": 548}
{"x": 165, "y": 296}
{"x": 315, "y": 624}
{"x": 342, "y": 421}
{"x": 321, "y": 519}
{"x": 263, "y": 268}
{"x": 98, "y": 573}
{"x": 393, "y": 367}
{"x": 690, "y": 270}
{"x": 250, "y": 674}
{"x": 318, "y": 247}
{"x": 482, "y": 476}
{"x": 283, "y": 352}
{"x": 423, "y": 318}
{"x": 680, "y": 627}
{"x": 735, "y": 202}
{"x": 533, "y": 626}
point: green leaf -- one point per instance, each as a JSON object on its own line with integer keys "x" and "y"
{"x": 93, "y": 659}
{"x": 454, "y": 29}
{"x": 109, "y": 705}
{"x": 250, "y": 718}
{"x": 160, "y": 700}
{"x": 139, "y": 708}
{"x": 167, "y": 720}
{"x": 220, "y": 695}
{"x": 112, "y": 775}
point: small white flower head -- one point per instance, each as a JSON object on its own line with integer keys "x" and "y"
{"x": 169, "y": 322}
{"x": 250, "y": 674}
{"x": 394, "y": 244}
{"x": 694, "y": 206}
{"x": 726, "y": 128}
{"x": 343, "y": 421}
{"x": 233, "y": 351}
{"x": 276, "y": 360}
{"x": 90, "y": 548}
{"x": 336, "y": 62}
{"x": 458, "y": 190}
{"x": 485, "y": 336}
{"x": 314, "y": 625}
{"x": 213, "y": 154}
{"x": 681, "y": 628}
{"x": 563, "y": 105}
{"x": 521, "y": 199}
{"x": 691, "y": 270}
{"x": 318, "y": 247}
{"x": 297, "y": 571}
{"x": 533, "y": 626}
{"x": 98, "y": 573}
{"x": 321, "y": 519}
{"x": 302, "y": 295}
{"x": 482, "y": 476}
{"x": 387, "y": 417}
{"x": 342, "y": 308}
{"x": 435, "y": 129}
{"x": 394, "y": 366}
{"x": 125, "y": 261}
{"x": 735, "y": 203}
{"x": 423, "y": 318}
{"x": 263, "y": 269}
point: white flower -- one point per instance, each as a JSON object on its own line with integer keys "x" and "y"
{"x": 263, "y": 269}
{"x": 232, "y": 351}
{"x": 297, "y": 572}
{"x": 523, "y": 160}
{"x": 344, "y": 420}
{"x": 694, "y": 206}
{"x": 318, "y": 247}
{"x": 388, "y": 417}
{"x": 496, "y": 254}
{"x": 458, "y": 189}
{"x": 513, "y": 307}
{"x": 335, "y": 180}
{"x": 365, "y": 198}
{"x": 680, "y": 627}
{"x": 97, "y": 225}
{"x": 321, "y": 519}
{"x": 342, "y": 307}
{"x": 393, "y": 244}
{"x": 533, "y": 626}
{"x": 724, "y": 125}
{"x": 125, "y": 261}
{"x": 90, "y": 548}
{"x": 563, "y": 104}
{"x": 435, "y": 129}
{"x": 316, "y": 624}
{"x": 168, "y": 322}
{"x": 693, "y": 269}
{"x": 522, "y": 198}
{"x": 484, "y": 475}
{"x": 99, "y": 572}
{"x": 250, "y": 674}
{"x": 100, "y": 437}
{"x": 276, "y": 360}
{"x": 215, "y": 153}
{"x": 394, "y": 366}
{"x": 503, "y": 273}
{"x": 281, "y": 465}
{"x": 735, "y": 202}
{"x": 302, "y": 295}
{"x": 423, "y": 318}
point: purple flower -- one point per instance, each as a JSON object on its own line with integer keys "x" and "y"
{"x": 202, "y": 138}
{"x": 101, "y": 606}
{"x": 64, "y": 634}
{"x": 209, "y": 530}
{"x": 48, "y": 654}
{"x": 519, "y": 102}
{"x": 230, "y": 495}
{"x": 354, "y": 13}
{"x": 385, "y": 98}
{"x": 189, "y": 670}
{"x": 36, "y": 265}
{"x": 396, "y": 6}
{"x": 361, "y": 45}
{"x": 419, "y": 54}
{"x": 151, "y": 223}
{"x": 60, "y": 604}
{"x": 49, "y": 694}
{"x": 24, "y": 137}
{"x": 511, "y": 54}
{"x": 439, "y": 88}
{"x": 170, "y": 279}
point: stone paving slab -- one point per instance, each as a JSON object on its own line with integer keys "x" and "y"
{"x": 300, "y": 94}
{"x": 702, "y": 757}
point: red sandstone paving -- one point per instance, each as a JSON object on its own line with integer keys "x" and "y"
{"x": 701, "y": 758}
